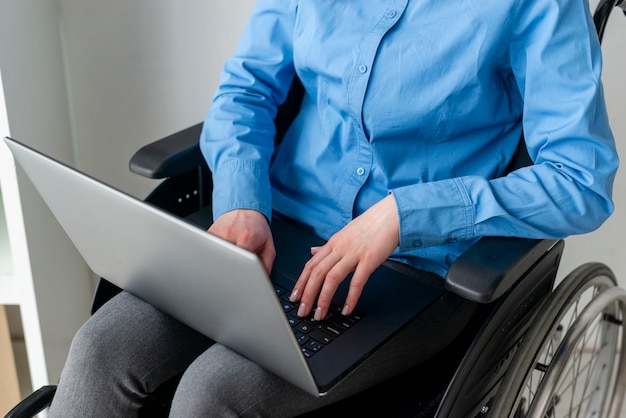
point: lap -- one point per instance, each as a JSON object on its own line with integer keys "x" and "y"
{"x": 220, "y": 382}
{"x": 129, "y": 334}
{"x": 152, "y": 347}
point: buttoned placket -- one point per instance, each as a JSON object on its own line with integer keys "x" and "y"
{"x": 357, "y": 90}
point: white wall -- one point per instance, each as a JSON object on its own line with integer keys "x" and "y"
{"x": 36, "y": 104}
{"x": 140, "y": 70}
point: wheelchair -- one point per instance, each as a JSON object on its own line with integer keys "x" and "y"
{"x": 531, "y": 349}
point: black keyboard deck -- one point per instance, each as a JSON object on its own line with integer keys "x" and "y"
{"x": 314, "y": 335}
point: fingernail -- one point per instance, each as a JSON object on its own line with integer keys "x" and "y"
{"x": 318, "y": 314}
{"x": 301, "y": 310}
{"x": 345, "y": 310}
{"x": 294, "y": 295}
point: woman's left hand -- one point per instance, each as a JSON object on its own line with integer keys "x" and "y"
{"x": 359, "y": 248}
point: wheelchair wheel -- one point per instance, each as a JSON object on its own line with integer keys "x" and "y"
{"x": 570, "y": 364}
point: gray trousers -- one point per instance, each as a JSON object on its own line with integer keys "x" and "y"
{"x": 128, "y": 348}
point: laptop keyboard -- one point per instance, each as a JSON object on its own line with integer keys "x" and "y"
{"x": 314, "y": 335}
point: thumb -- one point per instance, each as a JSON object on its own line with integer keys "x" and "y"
{"x": 267, "y": 256}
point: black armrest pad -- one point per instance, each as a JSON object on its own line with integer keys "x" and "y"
{"x": 33, "y": 403}
{"x": 171, "y": 156}
{"x": 492, "y": 265}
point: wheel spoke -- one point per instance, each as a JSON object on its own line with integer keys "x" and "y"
{"x": 572, "y": 356}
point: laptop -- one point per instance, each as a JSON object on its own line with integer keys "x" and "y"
{"x": 218, "y": 288}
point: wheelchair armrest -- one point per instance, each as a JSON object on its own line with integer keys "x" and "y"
{"x": 492, "y": 265}
{"x": 33, "y": 403}
{"x": 180, "y": 153}
{"x": 171, "y": 156}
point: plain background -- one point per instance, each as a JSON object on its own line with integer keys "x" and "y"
{"x": 90, "y": 82}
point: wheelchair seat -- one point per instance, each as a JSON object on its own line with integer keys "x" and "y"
{"x": 529, "y": 345}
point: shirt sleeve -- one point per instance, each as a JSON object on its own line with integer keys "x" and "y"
{"x": 556, "y": 59}
{"x": 237, "y": 139}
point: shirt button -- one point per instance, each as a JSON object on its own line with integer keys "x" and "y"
{"x": 391, "y": 14}
{"x": 362, "y": 68}
{"x": 360, "y": 171}
{"x": 417, "y": 243}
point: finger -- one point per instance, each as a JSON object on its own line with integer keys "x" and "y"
{"x": 314, "y": 283}
{"x": 267, "y": 256}
{"x": 357, "y": 283}
{"x": 333, "y": 279}
{"x": 298, "y": 288}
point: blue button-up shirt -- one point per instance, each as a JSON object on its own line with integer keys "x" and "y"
{"x": 423, "y": 99}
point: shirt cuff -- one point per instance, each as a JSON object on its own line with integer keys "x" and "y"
{"x": 433, "y": 213}
{"x": 241, "y": 184}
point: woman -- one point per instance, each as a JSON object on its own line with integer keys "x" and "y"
{"x": 412, "y": 113}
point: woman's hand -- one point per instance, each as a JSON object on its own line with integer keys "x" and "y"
{"x": 359, "y": 248}
{"x": 249, "y": 230}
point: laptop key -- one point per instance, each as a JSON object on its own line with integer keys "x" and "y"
{"x": 303, "y": 328}
{"x": 302, "y": 338}
{"x": 320, "y": 336}
{"x": 342, "y": 323}
{"x": 293, "y": 320}
{"x": 287, "y": 307}
{"x": 307, "y": 353}
{"x": 314, "y": 346}
{"x": 329, "y": 329}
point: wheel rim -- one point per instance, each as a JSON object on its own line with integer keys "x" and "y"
{"x": 558, "y": 314}
{"x": 586, "y": 363}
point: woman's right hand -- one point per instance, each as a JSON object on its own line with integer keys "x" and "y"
{"x": 248, "y": 229}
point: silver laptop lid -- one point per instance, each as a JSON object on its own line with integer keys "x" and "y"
{"x": 205, "y": 282}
